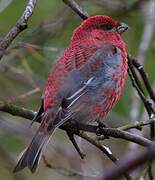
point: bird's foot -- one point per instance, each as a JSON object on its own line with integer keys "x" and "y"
{"x": 99, "y": 131}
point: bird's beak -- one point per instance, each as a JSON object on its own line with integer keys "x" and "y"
{"x": 121, "y": 27}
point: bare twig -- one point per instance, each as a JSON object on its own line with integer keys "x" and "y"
{"x": 64, "y": 171}
{"x": 129, "y": 162}
{"x": 144, "y": 76}
{"x": 149, "y": 29}
{"x": 67, "y": 171}
{"x": 136, "y": 83}
{"x": 137, "y": 125}
{"x": 16, "y": 111}
{"x": 19, "y": 27}
{"x": 21, "y": 97}
{"x": 34, "y": 46}
{"x": 76, "y": 8}
{"x": 103, "y": 149}
{"x": 113, "y": 132}
{"x": 72, "y": 139}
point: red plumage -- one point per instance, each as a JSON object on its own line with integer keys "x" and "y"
{"x": 85, "y": 83}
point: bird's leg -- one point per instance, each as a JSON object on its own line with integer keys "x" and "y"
{"x": 72, "y": 139}
{"x": 99, "y": 130}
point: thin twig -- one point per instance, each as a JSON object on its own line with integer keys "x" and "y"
{"x": 144, "y": 76}
{"x": 21, "y": 97}
{"x": 72, "y": 139}
{"x": 113, "y": 132}
{"x": 64, "y": 171}
{"x": 136, "y": 83}
{"x": 19, "y": 27}
{"x": 137, "y": 125}
{"x": 34, "y": 46}
{"x": 76, "y": 8}
{"x": 129, "y": 162}
{"x": 103, "y": 149}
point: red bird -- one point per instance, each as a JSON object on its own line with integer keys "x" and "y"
{"x": 85, "y": 83}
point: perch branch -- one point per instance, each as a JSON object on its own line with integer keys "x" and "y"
{"x": 111, "y": 132}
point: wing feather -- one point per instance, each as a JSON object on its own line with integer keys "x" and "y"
{"x": 87, "y": 75}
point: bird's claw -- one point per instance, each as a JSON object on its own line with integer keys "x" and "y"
{"x": 99, "y": 131}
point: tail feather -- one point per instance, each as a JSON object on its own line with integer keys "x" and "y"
{"x": 32, "y": 155}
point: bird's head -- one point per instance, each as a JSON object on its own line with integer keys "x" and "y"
{"x": 99, "y": 25}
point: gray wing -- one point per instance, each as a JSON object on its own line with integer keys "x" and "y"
{"x": 82, "y": 84}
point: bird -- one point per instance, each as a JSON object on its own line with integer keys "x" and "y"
{"x": 85, "y": 83}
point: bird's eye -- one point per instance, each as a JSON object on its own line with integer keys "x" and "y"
{"x": 106, "y": 26}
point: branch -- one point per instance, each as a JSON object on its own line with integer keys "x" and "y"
{"x": 137, "y": 125}
{"x": 147, "y": 103}
{"x": 113, "y": 132}
{"x": 17, "y": 111}
{"x": 29, "y": 114}
{"x": 76, "y": 8}
{"x": 129, "y": 162}
{"x": 64, "y": 171}
{"x": 103, "y": 149}
{"x": 136, "y": 83}
{"x": 116, "y": 133}
{"x": 144, "y": 76}
{"x": 19, "y": 27}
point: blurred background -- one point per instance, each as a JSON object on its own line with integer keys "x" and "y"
{"x": 25, "y": 67}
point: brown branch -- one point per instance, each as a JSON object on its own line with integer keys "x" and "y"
{"x": 103, "y": 149}
{"x": 23, "y": 96}
{"x": 136, "y": 83}
{"x": 16, "y": 111}
{"x": 116, "y": 133}
{"x": 112, "y": 132}
{"x": 76, "y": 8}
{"x": 30, "y": 46}
{"x": 64, "y": 171}
{"x": 129, "y": 163}
{"x": 137, "y": 125}
{"x": 22, "y": 112}
{"x": 19, "y": 27}
{"x": 148, "y": 104}
{"x": 144, "y": 77}
{"x": 136, "y": 79}
{"x": 72, "y": 139}
{"x": 29, "y": 114}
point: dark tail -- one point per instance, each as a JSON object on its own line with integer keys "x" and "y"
{"x": 32, "y": 155}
